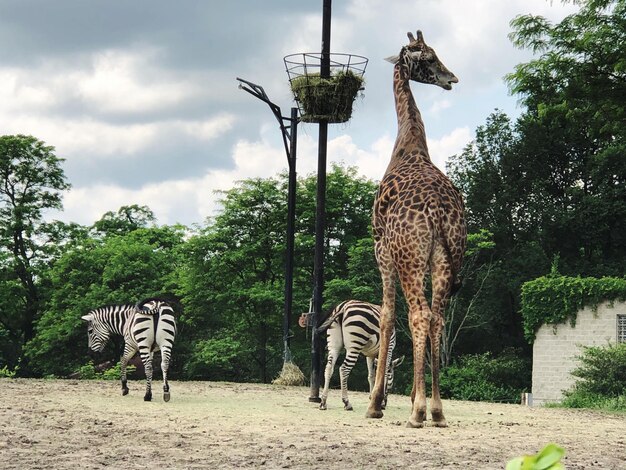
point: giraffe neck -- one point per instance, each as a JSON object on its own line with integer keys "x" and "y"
{"x": 411, "y": 137}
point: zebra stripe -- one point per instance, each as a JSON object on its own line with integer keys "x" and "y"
{"x": 147, "y": 327}
{"x": 355, "y": 326}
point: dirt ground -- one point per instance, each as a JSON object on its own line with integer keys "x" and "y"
{"x": 49, "y": 424}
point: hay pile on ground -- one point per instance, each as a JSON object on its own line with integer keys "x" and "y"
{"x": 290, "y": 375}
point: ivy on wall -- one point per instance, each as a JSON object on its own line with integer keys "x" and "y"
{"x": 557, "y": 299}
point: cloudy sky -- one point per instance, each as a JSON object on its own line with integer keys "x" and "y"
{"x": 141, "y": 100}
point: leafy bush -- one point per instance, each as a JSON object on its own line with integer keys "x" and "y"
{"x": 5, "y": 372}
{"x": 482, "y": 377}
{"x": 602, "y": 379}
{"x": 114, "y": 373}
{"x": 90, "y": 372}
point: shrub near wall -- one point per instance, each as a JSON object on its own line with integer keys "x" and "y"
{"x": 557, "y": 299}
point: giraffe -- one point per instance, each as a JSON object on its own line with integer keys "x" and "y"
{"x": 418, "y": 225}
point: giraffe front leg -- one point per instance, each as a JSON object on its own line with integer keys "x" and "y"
{"x": 378, "y": 393}
{"x": 387, "y": 322}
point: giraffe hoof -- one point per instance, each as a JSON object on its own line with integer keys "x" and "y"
{"x": 376, "y": 414}
{"x": 414, "y": 424}
{"x": 166, "y": 396}
{"x": 439, "y": 421}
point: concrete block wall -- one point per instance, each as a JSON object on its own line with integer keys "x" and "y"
{"x": 556, "y": 348}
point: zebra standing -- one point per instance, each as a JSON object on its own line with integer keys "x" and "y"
{"x": 355, "y": 325}
{"x": 147, "y": 327}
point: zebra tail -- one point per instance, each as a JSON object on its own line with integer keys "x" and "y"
{"x": 330, "y": 319}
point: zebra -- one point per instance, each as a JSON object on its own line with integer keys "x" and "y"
{"x": 355, "y": 325}
{"x": 147, "y": 327}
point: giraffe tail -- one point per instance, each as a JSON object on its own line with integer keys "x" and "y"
{"x": 457, "y": 280}
{"x": 456, "y": 284}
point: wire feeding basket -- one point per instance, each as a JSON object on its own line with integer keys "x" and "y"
{"x": 325, "y": 99}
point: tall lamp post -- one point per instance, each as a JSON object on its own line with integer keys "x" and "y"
{"x": 289, "y": 130}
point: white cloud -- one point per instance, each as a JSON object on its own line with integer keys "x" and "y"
{"x": 125, "y": 81}
{"x": 440, "y": 105}
{"x": 19, "y": 92}
{"x": 451, "y": 144}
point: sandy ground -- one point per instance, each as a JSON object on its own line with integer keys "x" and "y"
{"x": 48, "y": 424}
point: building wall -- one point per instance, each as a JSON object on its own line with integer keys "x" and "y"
{"x": 556, "y": 348}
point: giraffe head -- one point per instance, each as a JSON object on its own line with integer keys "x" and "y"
{"x": 423, "y": 64}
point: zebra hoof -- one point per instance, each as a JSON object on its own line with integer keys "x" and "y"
{"x": 166, "y": 396}
{"x": 124, "y": 392}
{"x": 147, "y": 397}
{"x": 348, "y": 407}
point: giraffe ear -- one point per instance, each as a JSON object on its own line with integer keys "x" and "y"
{"x": 394, "y": 59}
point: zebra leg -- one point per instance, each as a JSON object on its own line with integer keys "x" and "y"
{"x": 328, "y": 374}
{"x": 165, "y": 363}
{"x": 129, "y": 352}
{"x": 344, "y": 373}
{"x": 147, "y": 365}
{"x": 371, "y": 378}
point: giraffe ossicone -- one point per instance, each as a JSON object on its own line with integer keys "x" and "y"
{"x": 419, "y": 227}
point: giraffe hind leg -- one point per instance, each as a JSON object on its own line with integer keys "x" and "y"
{"x": 442, "y": 281}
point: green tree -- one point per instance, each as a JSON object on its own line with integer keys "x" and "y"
{"x": 233, "y": 285}
{"x": 575, "y": 130}
{"x": 125, "y": 220}
{"x": 31, "y": 182}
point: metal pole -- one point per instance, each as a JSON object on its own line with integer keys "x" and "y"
{"x": 290, "y": 140}
{"x": 291, "y": 217}
{"x": 320, "y": 218}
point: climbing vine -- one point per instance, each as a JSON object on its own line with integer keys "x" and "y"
{"x": 556, "y": 299}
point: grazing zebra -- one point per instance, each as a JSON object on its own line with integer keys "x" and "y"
{"x": 147, "y": 326}
{"x": 355, "y": 325}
